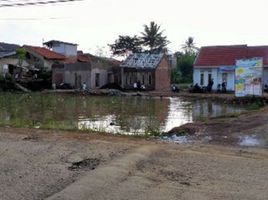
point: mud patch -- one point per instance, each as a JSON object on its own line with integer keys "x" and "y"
{"x": 175, "y": 176}
{"x": 31, "y": 138}
{"x": 186, "y": 129}
{"x": 87, "y": 164}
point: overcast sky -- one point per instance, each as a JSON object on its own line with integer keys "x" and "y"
{"x": 96, "y": 23}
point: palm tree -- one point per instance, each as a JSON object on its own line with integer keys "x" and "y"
{"x": 152, "y": 38}
{"x": 189, "y": 46}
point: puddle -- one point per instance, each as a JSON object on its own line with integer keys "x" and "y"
{"x": 178, "y": 139}
{"x": 116, "y": 115}
{"x": 249, "y": 141}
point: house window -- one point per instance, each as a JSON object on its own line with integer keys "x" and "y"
{"x": 202, "y": 79}
{"x": 97, "y": 79}
{"x": 143, "y": 79}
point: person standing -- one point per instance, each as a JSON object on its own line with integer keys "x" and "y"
{"x": 210, "y": 85}
{"x": 84, "y": 86}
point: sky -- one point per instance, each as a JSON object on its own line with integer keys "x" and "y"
{"x": 93, "y": 24}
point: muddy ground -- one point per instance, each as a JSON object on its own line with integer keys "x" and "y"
{"x": 42, "y": 164}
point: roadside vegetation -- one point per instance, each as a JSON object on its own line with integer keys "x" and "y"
{"x": 7, "y": 83}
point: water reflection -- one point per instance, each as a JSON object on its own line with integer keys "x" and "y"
{"x": 124, "y": 115}
{"x": 250, "y": 140}
{"x": 209, "y": 108}
{"x": 179, "y": 113}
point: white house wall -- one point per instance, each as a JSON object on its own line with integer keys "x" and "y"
{"x": 206, "y": 72}
{"x": 217, "y": 78}
{"x": 230, "y": 86}
{"x": 65, "y": 49}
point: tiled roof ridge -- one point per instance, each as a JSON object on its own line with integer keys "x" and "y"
{"x": 227, "y": 46}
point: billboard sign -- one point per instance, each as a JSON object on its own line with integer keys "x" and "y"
{"x": 248, "y": 77}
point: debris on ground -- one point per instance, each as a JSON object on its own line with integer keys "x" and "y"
{"x": 87, "y": 164}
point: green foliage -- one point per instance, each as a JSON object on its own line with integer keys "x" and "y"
{"x": 175, "y": 75}
{"x": 189, "y": 46}
{"x": 255, "y": 105}
{"x": 183, "y": 73}
{"x": 7, "y": 83}
{"x": 124, "y": 44}
{"x": 151, "y": 40}
{"x": 21, "y": 53}
{"x": 149, "y": 132}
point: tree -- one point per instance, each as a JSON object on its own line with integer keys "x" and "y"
{"x": 125, "y": 45}
{"x": 183, "y": 73}
{"x": 153, "y": 38}
{"x": 21, "y": 53}
{"x": 185, "y": 64}
{"x": 189, "y": 46}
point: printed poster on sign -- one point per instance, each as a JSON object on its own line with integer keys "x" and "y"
{"x": 248, "y": 77}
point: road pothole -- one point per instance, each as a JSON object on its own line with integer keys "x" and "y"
{"x": 86, "y": 164}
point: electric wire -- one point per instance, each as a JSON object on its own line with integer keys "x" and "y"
{"x": 12, "y": 3}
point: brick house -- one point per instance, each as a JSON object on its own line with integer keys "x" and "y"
{"x": 151, "y": 70}
{"x": 218, "y": 63}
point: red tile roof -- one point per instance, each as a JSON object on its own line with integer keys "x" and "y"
{"x": 78, "y": 58}
{"x": 216, "y": 56}
{"x": 83, "y": 58}
{"x": 46, "y": 53}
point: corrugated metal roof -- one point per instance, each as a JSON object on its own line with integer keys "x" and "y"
{"x": 6, "y": 54}
{"x": 8, "y": 47}
{"x": 142, "y": 60}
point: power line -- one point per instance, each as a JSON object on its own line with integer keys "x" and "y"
{"x": 32, "y": 19}
{"x": 10, "y": 3}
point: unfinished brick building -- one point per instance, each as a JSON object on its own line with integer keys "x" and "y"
{"x": 150, "y": 70}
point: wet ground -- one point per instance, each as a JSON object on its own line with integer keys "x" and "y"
{"x": 56, "y": 165}
{"x": 246, "y": 130}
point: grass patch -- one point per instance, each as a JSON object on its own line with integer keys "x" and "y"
{"x": 255, "y": 106}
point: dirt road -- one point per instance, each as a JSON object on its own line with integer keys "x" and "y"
{"x": 52, "y": 165}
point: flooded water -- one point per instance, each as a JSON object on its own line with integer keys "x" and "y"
{"x": 250, "y": 140}
{"x": 117, "y": 115}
